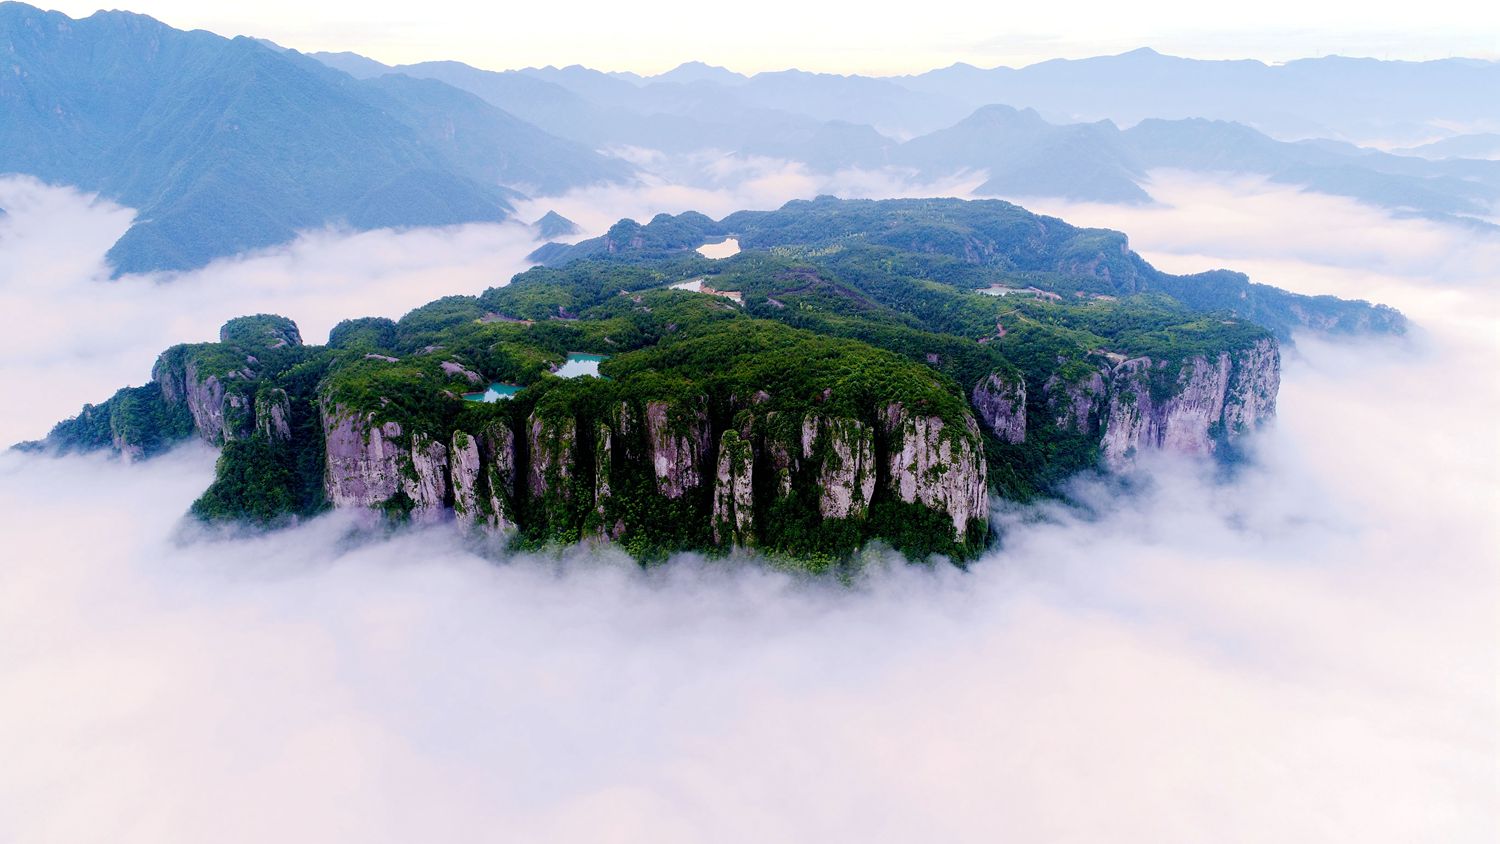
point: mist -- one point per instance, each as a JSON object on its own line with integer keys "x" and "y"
{"x": 1304, "y": 650}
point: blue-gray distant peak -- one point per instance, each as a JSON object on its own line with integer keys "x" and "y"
{"x": 692, "y": 72}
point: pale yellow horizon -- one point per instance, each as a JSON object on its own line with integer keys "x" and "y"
{"x": 881, "y": 40}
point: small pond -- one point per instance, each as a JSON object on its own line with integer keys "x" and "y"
{"x": 723, "y": 249}
{"x": 496, "y": 392}
{"x": 581, "y": 363}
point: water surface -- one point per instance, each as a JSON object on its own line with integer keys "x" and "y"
{"x": 495, "y": 392}
{"x": 581, "y": 363}
{"x": 723, "y": 249}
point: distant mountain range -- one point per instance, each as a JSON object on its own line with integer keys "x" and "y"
{"x": 1357, "y": 100}
{"x": 227, "y": 145}
{"x": 1477, "y": 145}
{"x": 1027, "y": 156}
{"x": 831, "y": 122}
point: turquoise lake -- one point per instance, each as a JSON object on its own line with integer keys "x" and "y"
{"x": 496, "y": 392}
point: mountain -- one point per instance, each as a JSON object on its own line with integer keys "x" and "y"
{"x": 554, "y": 225}
{"x": 670, "y": 117}
{"x": 227, "y": 145}
{"x": 488, "y": 144}
{"x": 1027, "y": 156}
{"x": 850, "y": 376}
{"x": 829, "y": 123}
{"x": 1484, "y": 145}
{"x": 1363, "y": 100}
{"x": 1433, "y": 188}
{"x": 977, "y": 245}
{"x": 353, "y": 64}
{"x": 1359, "y": 100}
{"x": 689, "y": 73}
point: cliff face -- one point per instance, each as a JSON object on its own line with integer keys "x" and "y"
{"x": 660, "y": 449}
{"x": 930, "y": 463}
{"x": 1076, "y": 405}
{"x": 1201, "y": 407}
{"x": 734, "y": 492}
{"x": 367, "y": 464}
{"x": 678, "y": 438}
{"x": 483, "y": 471}
{"x": 221, "y": 403}
{"x": 221, "y": 384}
{"x": 1000, "y": 403}
{"x": 273, "y": 414}
{"x": 552, "y": 450}
{"x": 844, "y": 451}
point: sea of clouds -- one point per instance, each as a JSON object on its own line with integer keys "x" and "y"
{"x": 1303, "y": 651}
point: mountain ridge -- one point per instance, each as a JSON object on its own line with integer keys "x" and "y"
{"x": 225, "y": 145}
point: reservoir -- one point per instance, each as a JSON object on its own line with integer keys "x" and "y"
{"x": 581, "y": 363}
{"x": 496, "y": 392}
{"x": 723, "y": 249}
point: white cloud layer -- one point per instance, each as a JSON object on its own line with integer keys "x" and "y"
{"x": 1304, "y": 652}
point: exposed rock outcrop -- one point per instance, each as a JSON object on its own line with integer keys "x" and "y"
{"x": 260, "y": 331}
{"x": 781, "y": 458}
{"x": 483, "y": 469}
{"x": 734, "y": 492}
{"x": 1254, "y": 383}
{"x": 467, "y": 469}
{"x": 427, "y": 483}
{"x": 221, "y": 404}
{"x": 929, "y": 462}
{"x": 552, "y": 445}
{"x": 845, "y": 453}
{"x": 604, "y": 461}
{"x": 1076, "y": 405}
{"x": 1000, "y": 403}
{"x": 678, "y": 437}
{"x": 367, "y": 464}
{"x": 454, "y": 368}
{"x": 1199, "y": 407}
{"x": 273, "y": 414}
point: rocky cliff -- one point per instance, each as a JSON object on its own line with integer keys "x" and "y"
{"x": 930, "y": 462}
{"x": 844, "y": 451}
{"x": 1199, "y": 406}
{"x": 1075, "y": 405}
{"x": 660, "y": 460}
{"x": 219, "y": 383}
{"x": 734, "y": 492}
{"x": 999, "y": 400}
{"x": 483, "y": 471}
{"x": 221, "y": 402}
{"x": 370, "y": 466}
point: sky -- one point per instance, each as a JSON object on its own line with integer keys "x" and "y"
{"x": 1305, "y": 650}
{"x": 879, "y": 38}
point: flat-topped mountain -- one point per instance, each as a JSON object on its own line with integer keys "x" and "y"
{"x": 858, "y": 371}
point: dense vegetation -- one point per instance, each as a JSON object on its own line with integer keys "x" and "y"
{"x": 965, "y": 245}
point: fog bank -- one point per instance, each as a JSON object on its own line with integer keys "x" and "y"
{"x": 1304, "y": 651}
